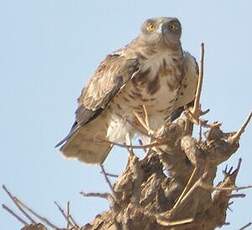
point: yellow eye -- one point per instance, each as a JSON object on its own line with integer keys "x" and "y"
{"x": 173, "y": 27}
{"x": 150, "y": 27}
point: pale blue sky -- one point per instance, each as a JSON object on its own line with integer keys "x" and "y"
{"x": 49, "y": 48}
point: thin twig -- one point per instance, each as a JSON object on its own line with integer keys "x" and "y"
{"x": 229, "y": 204}
{"x": 200, "y": 132}
{"x": 71, "y": 220}
{"x": 237, "y": 195}
{"x": 230, "y": 209}
{"x": 68, "y": 214}
{"x": 238, "y": 166}
{"x": 196, "y": 105}
{"x": 196, "y": 110}
{"x": 111, "y": 175}
{"x": 233, "y": 188}
{"x": 107, "y": 180}
{"x": 44, "y": 220}
{"x": 14, "y": 214}
{"x": 60, "y": 209}
{"x": 227, "y": 172}
{"x": 105, "y": 195}
{"x": 63, "y": 214}
{"x": 70, "y": 217}
{"x": 247, "y": 225}
{"x": 13, "y": 198}
{"x": 153, "y": 144}
{"x": 144, "y": 132}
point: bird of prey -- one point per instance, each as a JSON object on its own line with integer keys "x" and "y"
{"x": 152, "y": 70}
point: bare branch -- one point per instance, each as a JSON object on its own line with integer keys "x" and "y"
{"x": 13, "y": 198}
{"x": 195, "y": 113}
{"x": 108, "y": 181}
{"x": 234, "y": 188}
{"x": 66, "y": 216}
{"x": 14, "y": 214}
{"x": 111, "y": 174}
{"x": 247, "y": 225}
{"x": 196, "y": 105}
{"x": 153, "y": 144}
{"x": 105, "y": 195}
{"x": 61, "y": 210}
{"x": 236, "y": 137}
{"x": 42, "y": 219}
{"x": 240, "y": 195}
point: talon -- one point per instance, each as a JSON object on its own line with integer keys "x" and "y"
{"x": 144, "y": 123}
{"x": 194, "y": 117}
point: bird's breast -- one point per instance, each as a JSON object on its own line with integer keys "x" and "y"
{"x": 156, "y": 87}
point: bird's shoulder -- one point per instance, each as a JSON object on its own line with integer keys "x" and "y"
{"x": 111, "y": 74}
{"x": 190, "y": 64}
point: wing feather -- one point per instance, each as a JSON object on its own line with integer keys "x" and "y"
{"x": 110, "y": 76}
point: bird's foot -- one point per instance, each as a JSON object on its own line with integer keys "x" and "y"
{"x": 194, "y": 114}
{"x": 144, "y": 121}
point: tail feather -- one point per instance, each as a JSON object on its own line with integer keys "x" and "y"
{"x": 84, "y": 145}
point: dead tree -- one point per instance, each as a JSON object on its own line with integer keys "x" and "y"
{"x": 171, "y": 187}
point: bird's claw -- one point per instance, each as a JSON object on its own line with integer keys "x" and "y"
{"x": 144, "y": 121}
{"x": 194, "y": 114}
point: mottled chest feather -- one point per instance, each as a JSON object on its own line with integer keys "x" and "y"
{"x": 156, "y": 86}
{"x": 158, "y": 68}
{"x": 161, "y": 75}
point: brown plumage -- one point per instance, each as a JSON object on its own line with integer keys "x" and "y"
{"x": 152, "y": 70}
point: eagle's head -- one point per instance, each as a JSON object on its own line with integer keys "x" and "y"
{"x": 161, "y": 31}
